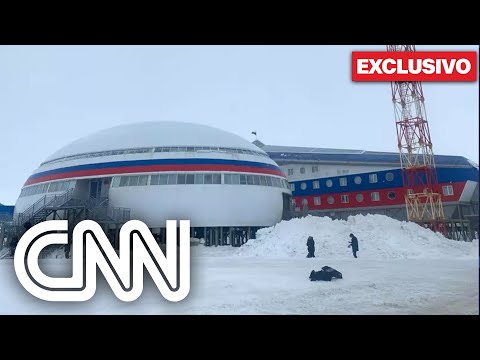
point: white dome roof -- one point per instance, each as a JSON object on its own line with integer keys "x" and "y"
{"x": 151, "y": 134}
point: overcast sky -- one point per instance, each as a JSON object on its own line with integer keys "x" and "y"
{"x": 290, "y": 95}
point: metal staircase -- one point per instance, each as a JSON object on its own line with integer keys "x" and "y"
{"x": 42, "y": 208}
{"x": 66, "y": 207}
{"x": 63, "y": 207}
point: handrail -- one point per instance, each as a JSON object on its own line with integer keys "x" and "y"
{"x": 42, "y": 203}
{"x": 98, "y": 208}
{"x": 6, "y": 217}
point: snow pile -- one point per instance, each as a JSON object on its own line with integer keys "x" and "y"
{"x": 379, "y": 237}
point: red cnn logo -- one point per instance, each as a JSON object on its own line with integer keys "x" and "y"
{"x": 414, "y": 66}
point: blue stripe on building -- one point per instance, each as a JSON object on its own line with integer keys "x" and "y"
{"x": 445, "y": 175}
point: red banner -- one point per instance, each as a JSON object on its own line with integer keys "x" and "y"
{"x": 414, "y": 66}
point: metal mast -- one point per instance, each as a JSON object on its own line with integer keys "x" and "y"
{"x": 420, "y": 184}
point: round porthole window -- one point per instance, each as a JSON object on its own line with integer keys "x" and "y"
{"x": 330, "y": 200}
{"x": 391, "y": 195}
{"x": 357, "y": 180}
{"x": 359, "y": 197}
{"x": 329, "y": 183}
{"x": 303, "y": 186}
{"x": 389, "y": 176}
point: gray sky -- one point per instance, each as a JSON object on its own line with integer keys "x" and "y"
{"x": 290, "y": 95}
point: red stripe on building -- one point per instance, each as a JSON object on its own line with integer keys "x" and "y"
{"x": 153, "y": 168}
{"x": 384, "y": 199}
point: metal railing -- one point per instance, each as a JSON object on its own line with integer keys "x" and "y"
{"x": 119, "y": 214}
{"x": 5, "y": 217}
{"x": 47, "y": 201}
{"x": 97, "y": 207}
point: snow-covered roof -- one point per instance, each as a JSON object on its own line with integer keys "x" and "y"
{"x": 285, "y": 154}
{"x": 151, "y": 134}
{"x": 308, "y": 150}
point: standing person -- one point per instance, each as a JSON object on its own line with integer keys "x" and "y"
{"x": 354, "y": 245}
{"x": 310, "y": 247}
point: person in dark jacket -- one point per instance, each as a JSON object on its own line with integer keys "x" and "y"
{"x": 354, "y": 245}
{"x": 310, "y": 247}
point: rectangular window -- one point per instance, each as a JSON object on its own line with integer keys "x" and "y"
{"x": 133, "y": 181}
{"x": 208, "y": 179}
{"x": 235, "y": 179}
{"x": 316, "y": 184}
{"x": 181, "y": 178}
{"x": 375, "y": 196}
{"x": 256, "y": 180}
{"x": 316, "y": 200}
{"x": 216, "y": 178}
{"x": 243, "y": 179}
{"x": 314, "y": 169}
{"x": 250, "y": 179}
{"x": 410, "y": 192}
{"x": 372, "y": 178}
{"x": 190, "y": 179}
{"x": 447, "y": 190}
{"x": 344, "y": 199}
{"x": 269, "y": 181}
{"x": 227, "y": 178}
{"x": 292, "y": 187}
{"x": 198, "y": 178}
{"x": 172, "y": 179}
{"x": 343, "y": 181}
{"x": 290, "y": 172}
{"x": 154, "y": 179}
{"x": 116, "y": 181}
{"x": 123, "y": 182}
{"x": 263, "y": 181}
{"x": 142, "y": 180}
{"x": 163, "y": 179}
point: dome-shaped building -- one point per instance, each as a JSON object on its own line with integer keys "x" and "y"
{"x": 157, "y": 171}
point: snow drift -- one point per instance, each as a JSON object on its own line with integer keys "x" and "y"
{"x": 379, "y": 237}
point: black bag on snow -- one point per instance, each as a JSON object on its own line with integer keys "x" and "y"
{"x": 326, "y": 274}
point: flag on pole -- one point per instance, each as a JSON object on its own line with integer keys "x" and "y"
{"x": 254, "y": 133}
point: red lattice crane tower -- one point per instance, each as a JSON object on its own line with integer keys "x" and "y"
{"x": 420, "y": 183}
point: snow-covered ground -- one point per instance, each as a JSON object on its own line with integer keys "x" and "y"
{"x": 401, "y": 269}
